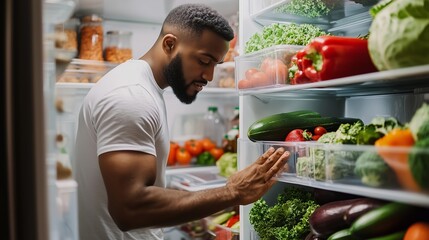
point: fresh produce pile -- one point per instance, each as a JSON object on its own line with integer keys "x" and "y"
{"x": 306, "y": 8}
{"x": 366, "y": 218}
{"x": 271, "y": 71}
{"x": 201, "y": 152}
{"x": 276, "y": 127}
{"x": 287, "y": 219}
{"x": 282, "y": 34}
{"x": 385, "y": 165}
{"x": 227, "y": 164}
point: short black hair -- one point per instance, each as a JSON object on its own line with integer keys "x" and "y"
{"x": 196, "y": 18}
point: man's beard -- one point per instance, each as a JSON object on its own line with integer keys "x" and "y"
{"x": 173, "y": 74}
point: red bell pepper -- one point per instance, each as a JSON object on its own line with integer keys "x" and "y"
{"x": 330, "y": 57}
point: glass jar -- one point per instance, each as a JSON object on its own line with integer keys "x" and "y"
{"x": 91, "y": 38}
{"x": 118, "y": 46}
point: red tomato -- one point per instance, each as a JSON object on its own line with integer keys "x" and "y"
{"x": 216, "y": 152}
{"x": 320, "y": 130}
{"x": 298, "y": 135}
{"x": 276, "y": 71}
{"x": 183, "y": 157}
{"x": 266, "y": 63}
{"x": 207, "y": 144}
{"x": 244, "y": 83}
{"x": 172, "y": 154}
{"x": 194, "y": 147}
{"x": 260, "y": 79}
{"x": 315, "y": 137}
{"x": 249, "y": 73}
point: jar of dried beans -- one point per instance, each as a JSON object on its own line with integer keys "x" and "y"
{"x": 91, "y": 38}
{"x": 118, "y": 46}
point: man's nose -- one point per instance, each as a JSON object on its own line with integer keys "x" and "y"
{"x": 208, "y": 74}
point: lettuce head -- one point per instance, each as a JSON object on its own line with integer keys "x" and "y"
{"x": 399, "y": 35}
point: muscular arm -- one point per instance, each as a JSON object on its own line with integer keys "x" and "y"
{"x": 134, "y": 202}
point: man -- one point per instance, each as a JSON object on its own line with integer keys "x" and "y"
{"x": 122, "y": 142}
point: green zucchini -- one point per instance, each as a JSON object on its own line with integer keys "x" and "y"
{"x": 276, "y": 128}
{"x": 394, "y": 236}
{"x": 382, "y": 221}
{"x": 342, "y": 235}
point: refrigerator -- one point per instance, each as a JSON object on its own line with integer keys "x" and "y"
{"x": 39, "y": 110}
{"x": 397, "y": 93}
{"x": 32, "y": 202}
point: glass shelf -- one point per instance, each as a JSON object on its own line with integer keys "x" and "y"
{"x": 332, "y": 167}
{"x": 402, "y": 80}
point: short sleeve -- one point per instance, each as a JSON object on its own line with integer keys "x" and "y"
{"x": 126, "y": 121}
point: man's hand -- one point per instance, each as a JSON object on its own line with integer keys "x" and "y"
{"x": 253, "y": 182}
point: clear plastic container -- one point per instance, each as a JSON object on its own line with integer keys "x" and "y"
{"x": 91, "y": 38}
{"x": 118, "y": 46}
{"x": 214, "y": 125}
{"x": 317, "y": 164}
{"x": 66, "y": 40}
{"x": 264, "y": 68}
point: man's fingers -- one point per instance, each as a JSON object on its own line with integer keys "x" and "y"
{"x": 263, "y": 158}
{"x": 272, "y": 159}
{"x": 278, "y": 166}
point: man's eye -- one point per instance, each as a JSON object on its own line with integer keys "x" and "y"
{"x": 205, "y": 62}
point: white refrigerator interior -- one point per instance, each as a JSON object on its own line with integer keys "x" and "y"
{"x": 395, "y": 93}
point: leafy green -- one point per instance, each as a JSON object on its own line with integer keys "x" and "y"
{"x": 287, "y": 219}
{"x": 227, "y": 164}
{"x": 379, "y": 6}
{"x": 280, "y": 34}
{"x": 419, "y": 124}
{"x": 373, "y": 171}
{"x": 305, "y": 8}
{"x": 400, "y": 35}
{"x": 418, "y": 161}
{"x": 378, "y": 127}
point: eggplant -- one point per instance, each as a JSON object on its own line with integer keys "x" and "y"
{"x": 360, "y": 208}
{"x": 329, "y": 218}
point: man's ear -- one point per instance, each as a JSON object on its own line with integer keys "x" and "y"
{"x": 168, "y": 43}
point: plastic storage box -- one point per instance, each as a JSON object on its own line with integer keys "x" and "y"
{"x": 351, "y": 168}
{"x": 265, "y": 68}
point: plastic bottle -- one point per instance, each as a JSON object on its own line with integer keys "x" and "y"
{"x": 214, "y": 126}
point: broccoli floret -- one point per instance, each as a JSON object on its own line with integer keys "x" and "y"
{"x": 378, "y": 127}
{"x": 347, "y": 133}
{"x": 287, "y": 219}
{"x": 373, "y": 171}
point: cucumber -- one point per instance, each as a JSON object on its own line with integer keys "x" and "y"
{"x": 394, "y": 236}
{"x": 384, "y": 220}
{"x": 342, "y": 235}
{"x": 276, "y": 121}
{"x": 276, "y": 128}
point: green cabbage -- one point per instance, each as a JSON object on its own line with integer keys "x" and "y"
{"x": 400, "y": 35}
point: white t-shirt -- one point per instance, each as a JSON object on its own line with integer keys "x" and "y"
{"x": 125, "y": 110}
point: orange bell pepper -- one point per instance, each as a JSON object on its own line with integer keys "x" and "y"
{"x": 398, "y": 160}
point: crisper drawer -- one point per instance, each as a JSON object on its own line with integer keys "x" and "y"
{"x": 380, "y": 172}
{"x": 264, "y": 68}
